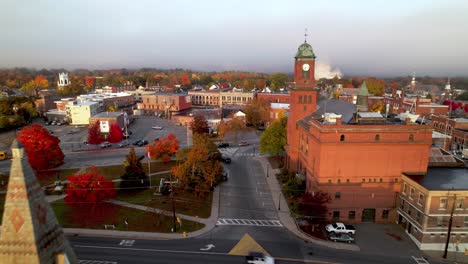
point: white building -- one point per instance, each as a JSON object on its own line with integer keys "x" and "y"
{"x": 79, "y": 111}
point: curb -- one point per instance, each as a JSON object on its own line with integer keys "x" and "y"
{"x": 285, "y": 217}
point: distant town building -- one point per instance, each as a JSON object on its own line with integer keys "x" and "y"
{"x": 164, "y": 104}
{"x": 455, "y": 128}
{"x": 63, "y": 80}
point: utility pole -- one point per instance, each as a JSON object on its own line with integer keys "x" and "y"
{"x": 450, "y": 226}
{"x": 173, "y": 210}
{"x": 149, "y": 168}
{"x": 279, "y": 200}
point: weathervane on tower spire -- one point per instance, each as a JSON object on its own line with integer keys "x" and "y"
{"x": 305, "y": 35}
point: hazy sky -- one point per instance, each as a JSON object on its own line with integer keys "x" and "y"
{"x": 381, "y": 38}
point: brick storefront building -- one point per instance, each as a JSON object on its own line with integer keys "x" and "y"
{"x": 164, "y": 103}
{"x": 456, "y": 128}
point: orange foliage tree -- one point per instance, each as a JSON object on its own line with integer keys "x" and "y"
{"x": 164, "y": 148}
{"x": 41, "y": 147}
{"x": 41, "y": 81}
{"x": 88, "y": 186}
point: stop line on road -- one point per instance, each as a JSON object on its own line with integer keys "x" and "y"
{"x": 249, "y": 222}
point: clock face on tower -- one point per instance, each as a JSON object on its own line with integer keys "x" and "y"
{"x": 305, "y": 67}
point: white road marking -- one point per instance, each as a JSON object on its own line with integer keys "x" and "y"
{"x": 96, "y": 262}
{"x": 420, "y": 260}
{"x": 127, "y": 243}
{"x": 207, "y": 247}
{"x": 248, "y": 222}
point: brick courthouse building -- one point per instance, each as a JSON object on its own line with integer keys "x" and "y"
{"x": 356, "y": 156}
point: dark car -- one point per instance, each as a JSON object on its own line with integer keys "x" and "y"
{"x": 226, "y": 160}
{"x": 225, "y": 176}
{"x": 140, "y": 142}
{"x": 341, "y": 238}
{"x": 223, "y": 145}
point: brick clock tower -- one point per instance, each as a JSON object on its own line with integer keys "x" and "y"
{"x": 303, "y": 99}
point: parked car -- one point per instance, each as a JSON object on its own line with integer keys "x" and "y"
{"x": 123, "y": 144}
{"x": 225, "y": 176}
{"x": 125, "y": 135}
{"x": 258, "y": 258}
{"x": 105, "y": 144}
{"x": 140, "y": 142}
{"x": 223, "y": 145}
{"x": 243, "y": 143}
{"x": 226, "y": 160}
{"x": 157, "y": 128}
{"x": 341, "y": 238}
{"x": 340, "y": 228}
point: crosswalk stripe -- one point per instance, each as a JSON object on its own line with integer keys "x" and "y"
{"x": 249, "y": 222}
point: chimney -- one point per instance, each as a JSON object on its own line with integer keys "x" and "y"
{"x": 338, "y": 121}
{"x": 408, "y": 121}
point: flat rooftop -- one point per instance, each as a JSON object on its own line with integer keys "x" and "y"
{"x": 443, "y": 179}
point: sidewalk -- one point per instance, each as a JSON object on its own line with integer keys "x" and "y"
{"x": 284, "y": 214}
{"x": 208, "y": 222}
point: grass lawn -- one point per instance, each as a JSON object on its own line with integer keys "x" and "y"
{"x": 111, "y": 214}
{"x": 186, "y": 203}
{"x": 112, "y": 172}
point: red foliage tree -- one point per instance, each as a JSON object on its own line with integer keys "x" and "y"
{"x": 89, "y": 81}
{"x": 466, "y": 108}
{"x": 41, "y": 147}
{"x": 89, "y": 187}
{"x": 185, "y": 80}
{"x": 115, "y": 134}
{"x": 164, "y": 148}
{"x": 94, "y": 134}
{"x": 314, "y": 205}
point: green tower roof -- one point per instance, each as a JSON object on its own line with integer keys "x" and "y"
{"x": 364, "y": 91}
{"x": 305, "y": 51}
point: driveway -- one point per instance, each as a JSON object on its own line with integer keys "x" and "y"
{"x": 384, "y": 239}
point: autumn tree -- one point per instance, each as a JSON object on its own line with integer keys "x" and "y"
{"x": 378, "y": 107}
{"x": 185, "y": 80}
{"x": 164, "y": 148}
{"x": 134, "y": 177}
{"x": 314, "y": 206}
{"x": 41, "y": 147}
{"x": 29, "y": 88}
{"x": 115, "y": 133}
{"x": 375, "y": 86}
{"x": 94, "y": 134}
{"x": 256, "y": 113}
{"x": 273, "y": 139}
{"x": 199, "y": 125}
{"x": 234, "y": 126}
{"x": 41, "y": 82}
{"x": 88, "y": 187}
{"x": 199, "y": 171}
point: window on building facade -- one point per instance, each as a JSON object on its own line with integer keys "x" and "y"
{"x": 342, "y": 138}
{"x": 351, "y": 215}
{"x": 381, "y": 180}
{"x": 310, "y": 99}
{"x": 305, "y": 108}
{"x": 443, "y": 203}
{"x": 459, "y": 204}
{"x": 395, "y": 180}
{"x": 421, "y": 199}
{"x": 363, "y": 180}
{"x": 329, "y": 181}
{"x": 377, "y": 137}
{"x": 405, "y": 188}
{"x": 336, "y": 215}
{"x": 347, "y": 180}
{"x": 402, "y": 204}
{"x": 418, "y": 216}
{"x": 465, "y": 221}
{"x": 440, "y": 221}
{"x": 338, "y": 181}
{"x": 411, "y": 196}
{"x": 300, "y": 99}
{"x": 385, "y": 214}
{"x": 338, "y": 195}
{"x": 411, "y": 137}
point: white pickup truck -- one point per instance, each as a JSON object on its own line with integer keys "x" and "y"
{"x": 259, "y": 258}
{"x": 340, "y": 228}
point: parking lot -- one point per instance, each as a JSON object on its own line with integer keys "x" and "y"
{"x": 384, "y": 239}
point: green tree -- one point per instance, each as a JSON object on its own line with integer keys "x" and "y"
{"x": 273, "y": 139}
{"x": 134, "y": 177}
{"x": 278, "y": 80}
{"x": 463, "y": 96}
{"x": 429, "y": 96}
{"x": 29, "y": 88}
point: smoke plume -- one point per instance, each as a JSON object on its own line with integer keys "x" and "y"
{"x": 323, "y": 70}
